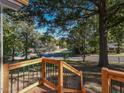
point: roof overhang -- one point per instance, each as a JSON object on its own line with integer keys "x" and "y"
{"x": 13, "y": 4}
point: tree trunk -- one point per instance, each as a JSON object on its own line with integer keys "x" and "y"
{"x": 84, "y": 57}
{"x": 13, "y": 49}
{"x": 13, "y": 53}
{"x": 103, "y": 54}
{"x": 38, "y": 53}
{"x": 118, "y": 48}
{"x": 82, "y": 53}
{"x": 26, "y": 46}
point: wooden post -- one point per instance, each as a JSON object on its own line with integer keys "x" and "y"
{"x": 43, "y": 72}
{"x": 83, "y": 90}
{"x": 6, "y": 78}
{"x": 60, "y": 78}
{"x": 81, "y": 79}
{"x": 105, "y": 80}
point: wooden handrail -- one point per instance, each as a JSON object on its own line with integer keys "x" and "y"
{"x": 65, "y": 65}
{"x": 107, "y": 76}
{"x": 24, "y": 63}
{"x": 51, "y": 61}
{"x": 72, "y": 69}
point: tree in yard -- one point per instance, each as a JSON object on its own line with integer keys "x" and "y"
{"x": 12, "y": 43}
{"x": 65, "y": 13}
{"x": 80, "y": 37}
{"x": 117, "y": 35}
{"x": 77, "y": 40}
{"x": 26, "y": 31}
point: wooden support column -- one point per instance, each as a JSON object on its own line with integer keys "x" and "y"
{"x": 43, "y": 72}
{"x": 6, "y": 78}
{"x": 60, "y": 78}
{"x": 83, "y": 90}
{"x": 105, "y": 80}
{"x": 81, "y": 79}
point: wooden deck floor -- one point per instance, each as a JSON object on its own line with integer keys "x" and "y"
{"x": 41, "y": 89}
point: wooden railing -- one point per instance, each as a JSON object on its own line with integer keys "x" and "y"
{"x": 22, "y": 76}
{"x": 112, "y": 81}
{"x": 55, "y": 76}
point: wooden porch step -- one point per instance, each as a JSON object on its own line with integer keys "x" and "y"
{"x": 41, "y": 89}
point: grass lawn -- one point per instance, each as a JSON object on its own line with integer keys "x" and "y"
{"x": 92, "y": 74}
{"x": 121, "y": 54}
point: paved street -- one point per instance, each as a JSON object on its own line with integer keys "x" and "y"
{"x": 93, "y": 58}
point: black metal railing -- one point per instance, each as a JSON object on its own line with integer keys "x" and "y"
{"x": 22, "y": 77}
{"x": 52, "y": 73}
{"x": 116, "y": 87}
{"x": 71, "y": 80}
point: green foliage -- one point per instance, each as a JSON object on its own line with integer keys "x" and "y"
{"x": 116, "y": 35}
{"x": 84, "y": 37}
{"x": 77, "y": 18}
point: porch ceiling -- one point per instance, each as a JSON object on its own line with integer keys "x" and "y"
{"x": 13, "y": 4}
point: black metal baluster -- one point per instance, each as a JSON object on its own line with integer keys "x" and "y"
{"x": 37, "y": 71}
{"x": 64, "y": 78}
{"x": 23, "y": 77}
{"x": 53, "y": 71}
{"x": 48, "y": 72}
{"x": 121, "y": 87}
{"x": 26, "y": 76}
{"x": 28, "y": 73}
{"x": 72, "y": 85}
{"x": 33, "y": 73}
{"x": 57, "y": 73}
{"x": 111, "y": 86}
{"x": 54, "y": 77}
{"x": 51, "y": 66}
{"x": 17, "y": 80}
{"x": 68, "y": 80}
{"x": 11, "y": 82}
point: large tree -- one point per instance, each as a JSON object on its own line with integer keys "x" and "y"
{"x": 65, "y": 14}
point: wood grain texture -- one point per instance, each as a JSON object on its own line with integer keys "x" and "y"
{"x": 24, "y": 63}
{"x": 72, "y": 69}
{"x": 6, "y": 78}
{"x": 108, "y": 75}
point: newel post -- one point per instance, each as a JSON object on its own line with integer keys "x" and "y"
{"x": 105, "y": 80}
{"x": 60, "y": 78}
{"x": 83, "y": 90}
{"x": 6, "y": 78}
{"x": 43, "y": 71}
